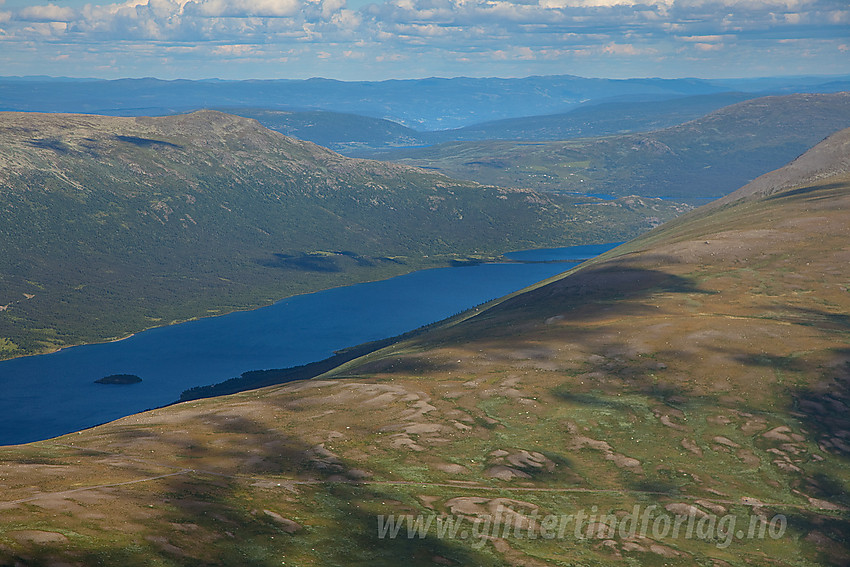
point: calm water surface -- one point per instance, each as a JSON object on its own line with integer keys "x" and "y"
{"x": 53, "y": 394}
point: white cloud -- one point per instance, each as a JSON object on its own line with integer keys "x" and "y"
{"x": 242, "y": 8}
{"x": 430, "y": 31}
{"x": 330, "y": 7}
{"x": 48, "y": 13}
{"x": 522, "y": 20}
{"x": 839, "y": 17}
{"x": 391, "y": 57}
{"x": 46, "y": 30}
{"x": 347, "y": 20}
{"x": 624, "y": 49}
{"x": 234, "y": 50}
{"x": 709, "y": 46}
{"x": 702, "y": 38}
{"x": 602, "y": 3}
{"x": 755, "y": 5}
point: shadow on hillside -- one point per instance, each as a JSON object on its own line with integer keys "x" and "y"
{"x": 238, "y": 506}
{"x": 829, "y": 535}
{"x": 589, "y": 399}
{"x": 823, "y": 405}
{"x": 805, "y": 193}
{"x": 303, "y": 262}
{"x": 57, "y": 146}
{"x": 331, "y": 262}
{"x": 763, "y": 360}
{"x": 412, "y": 365}
{"x": 342, "y": 514}
{"x": 614, "y": 281}
{"x": 824, "y": 408}
{"x": 612, "y": 290}
{"x": 610, "y": 375}
{"x": 826, "y": 487}
{"x": 808, "y": 317}
{"x": 146, "y": 142}
{"x": 517, "y": 330}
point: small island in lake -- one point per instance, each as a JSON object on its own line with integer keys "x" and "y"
{"x": 119, "y": 379}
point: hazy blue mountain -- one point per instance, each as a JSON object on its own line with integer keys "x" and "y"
{"x": 423, "y": 104}
{"x": 595, "y": 119}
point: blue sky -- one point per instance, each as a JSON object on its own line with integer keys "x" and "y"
{"x": 382, "y": 39}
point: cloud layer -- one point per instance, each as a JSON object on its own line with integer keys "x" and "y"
{"x": 273, "y": 38}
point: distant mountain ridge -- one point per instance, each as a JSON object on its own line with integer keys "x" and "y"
{"x": 596, "y": 119}
{"x": 422, "y": 104}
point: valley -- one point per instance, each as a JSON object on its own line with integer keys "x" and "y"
{"x": 698, "y": 370}
{"x": 204, "y": 203}
{"x": 461, "y": 283}
{"x": 115, "y": 225}
{"x": 49, "y": 395}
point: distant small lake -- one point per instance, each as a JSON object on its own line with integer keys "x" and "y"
{"x": 53, "y": 394}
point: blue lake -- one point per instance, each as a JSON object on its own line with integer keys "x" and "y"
{"x": 53, "y": 394}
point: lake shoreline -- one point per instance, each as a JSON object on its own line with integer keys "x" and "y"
{"x": 449, "y": 263}
{"x": 221, "y": 313}
{"x": 298, "y": 337}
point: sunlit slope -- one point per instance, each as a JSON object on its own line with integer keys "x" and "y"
{"x": 112, "y": 225}
{"x": 700, "y": 370}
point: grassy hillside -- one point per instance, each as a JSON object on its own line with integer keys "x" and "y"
{"x": 705, "y": 158}
{"x": 697, "y": 376}
{"x": 112, "y": 225}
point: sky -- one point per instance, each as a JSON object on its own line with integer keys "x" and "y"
{"x": 385, "y": 39}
